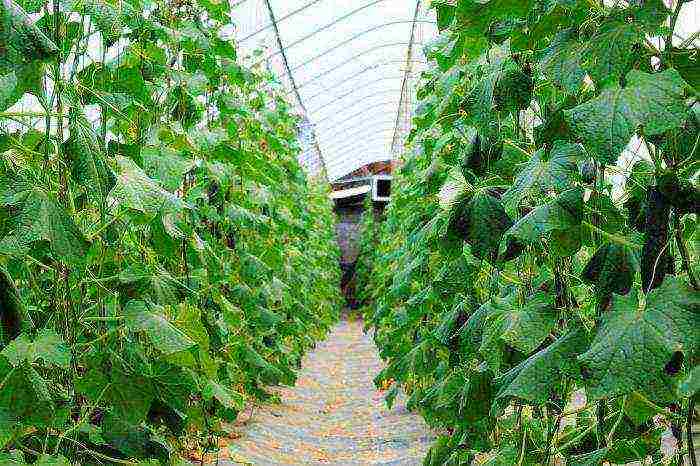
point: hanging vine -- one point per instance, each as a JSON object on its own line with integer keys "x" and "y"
{"x": 163, "y": 258}
{"x": 534, "y": 291}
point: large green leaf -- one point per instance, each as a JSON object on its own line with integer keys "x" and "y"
{"x": 39, "y": 217}
{"x": 535, "y": 378}
{"x": 135, "y": 190}
{"x": 562, "y": 214}
{"x": 521, "y": 326}
{"x": 25, "y": 395}
{"x": 165, "y": 165}
{"x": 611, "y": 269}
{"x": 561, "y": 61}
{"x": 227, "y": 397}
{"x": 604, "y": 56}
{"x": 636, "y": 341}
{"x": 555, "y": 170}
{"x": 487, "y": 221}
{"x": 22, "y": 40}
{"x": 653, "y": 102}
{"x": 47, "y": 346}
{"x": 162, "y": 334}
{"x": 49, "y": 460}
{"x": 89, "y": 166}
{"x": 129, "y": 396}
{"x": 12, "y": 308}
{"x": 109, "y": 18}
{"x": 8, "y": 90}
{"x": 594, "y": 458}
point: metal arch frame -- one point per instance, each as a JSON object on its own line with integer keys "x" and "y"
{"x": 375, "y": 118}
{"x": 359, "y": 99}
{"x": 367, "y": 83}
{"x": 381, "y": 156}
{"x": 358, "y": 137}
{"x": 357, "y": 129}
{"x": 407, "y": 73}
{"x": 372, "y": 107}
{"x": 282, "y": 50}
{"x": 366, "y": 144}
{"x": 385, "y": 158}
{"x": 355, "y": 37}
{"x": 352, "y": 59}
{"x": 359, "y": 73}
{"x": 323, "y": 28}
{"x": 268, "y": 26}
{"x": 340, "y": 153}
{"x": 360, "y": 124}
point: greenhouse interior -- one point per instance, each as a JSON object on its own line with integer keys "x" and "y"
{"x": 367, "y": 232}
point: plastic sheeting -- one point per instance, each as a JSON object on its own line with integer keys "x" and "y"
{"x": 351, "y": 65}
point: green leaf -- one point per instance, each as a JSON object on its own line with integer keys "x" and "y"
{"x": 526, "y": 327}
{"x": 604, "y": 55}
{"x": 88, "y": 163}
{"x": 227, "y": 397}
{"x": 594, "y": 458}
{"x": 162, "y": 334}
{"x": 487, "y": 221}
{"x": 12, "y": 308}
{"x": 39, "y": 217}
{"x": 49, "y": 460}
{"x": 22, "y": 40}
{"x": 25, "y": 395}
{"x": 135, "y": 190}
{"x": 265, "y": 368}
{"x": 48, "y": 346}
{"x": 513, "y": 91}
{"x": 165, "y": 165}
{"x": 561, "y": 61}
{"x": 129, "y": 396}
{"x": 611, "y": 269}
{"x": 555, "y": 170}
{"x": 521, "y": 326}
{"x": 477, "y": 394}
{"x": 534, "y": 379}
{"x": 691, "y": 385}
{"x": 8, "y": 90}
{"x": 688, "y": 65}
{"x": 13, "y": 457}
{"x": 109, "y": 19}
{"x": 636, "y": 341}
{"x": 653, "y": 102}
{"x": 563, "y": 213}
{"x": 9, "y": 425}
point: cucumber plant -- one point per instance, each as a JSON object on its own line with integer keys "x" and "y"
{"x": 534, "y": 289}
{"x": 163, "y": 258}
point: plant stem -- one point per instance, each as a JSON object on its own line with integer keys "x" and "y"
{"x": 611, "y": 434}
{"x": 685, "y": 257}
{"x": 689, "y": 430}
{"x": 668, "y": 46}
{"x": 575, "y": 439}
{"x": 600, "y": 422}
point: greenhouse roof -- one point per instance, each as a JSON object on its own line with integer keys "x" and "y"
{"x": 349, "y": 66}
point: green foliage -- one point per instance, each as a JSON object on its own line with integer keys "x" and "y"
{"x": 533, "y": 286}
{"x": 164, "y": 259}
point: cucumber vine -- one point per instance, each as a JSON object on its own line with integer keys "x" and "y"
{"x": 163, "y": 257}
{"x": 534, "y": 285}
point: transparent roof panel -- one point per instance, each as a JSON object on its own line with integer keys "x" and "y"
{"x": 349, "y": 61}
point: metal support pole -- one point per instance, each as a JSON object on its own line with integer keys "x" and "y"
{"x": 293, "y": 83}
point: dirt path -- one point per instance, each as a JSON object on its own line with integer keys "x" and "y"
{"x": 334, "y": 415}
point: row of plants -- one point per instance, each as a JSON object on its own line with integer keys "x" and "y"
{"x": 534, "y": 287}
{"x": 163, "y": 258}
